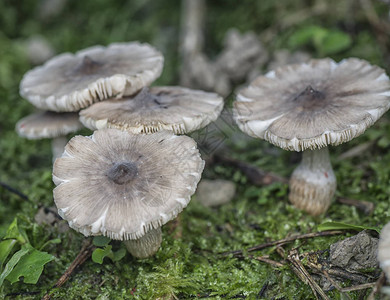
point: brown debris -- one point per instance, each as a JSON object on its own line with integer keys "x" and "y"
{"x": 254, "y": 174}
{"x": 355, "y": 253}
{"x": 83, "y": 255}
{"x": 285, "y": 241}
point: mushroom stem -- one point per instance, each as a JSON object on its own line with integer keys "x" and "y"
{"x": 145, "y": 246}
{"x": 383, "y": 249}
{"x": 313, "y": 183}
{"x": 57, "y": 146}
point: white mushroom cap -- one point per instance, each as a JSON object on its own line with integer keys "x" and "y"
{"x": 314, "y": 104}
{"x": 384, "y": 250}
{"x": 121, "y": 185}
{"x": 48, "y": 125}
{"x": 177, "y": 109}
{"x": 69, "y": 82}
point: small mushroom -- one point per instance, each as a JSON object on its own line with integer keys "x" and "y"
{"x": 49, "y": 125}
{"x": 177, "y": 109}
{"x": 69, "y": 82}
{"x": 384, "y": 250}
{"x": 306, "y": 107}
{"x": 126, "y": 186}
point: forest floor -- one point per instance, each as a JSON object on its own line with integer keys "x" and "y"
{"x": 193, "y": 261}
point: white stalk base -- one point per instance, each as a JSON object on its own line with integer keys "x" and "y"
{"x": 145, "y": 246}
{"x": 313, "y": 183}
{"x": 384, "y": 250}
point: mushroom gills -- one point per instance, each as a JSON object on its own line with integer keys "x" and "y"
{"x": 313, "y": 183}
{"x": 145, "y": 246}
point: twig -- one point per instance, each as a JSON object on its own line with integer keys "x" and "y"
{"x": 267, "y": 260}
{"x": 83, "y": 255}
{"x": 303, "y": 274}
{"x": 379, "y": 283}
{"x": 254, "y": 174}
{"x": 357, "y": 150}
{"x": 280, "y": 251}
{"x": 335, "y": 284}
{"x": 14, "y": 191}
{"x": 286, "y": 240}
{"x": 324, "y": 270}
{"x": 319, "y": 268}
{"x": 260, "y": 177}
{"x": 262, "y": 291}
{"x": 382, "y": 28}
{"x": 337, "y": 272}
{"x": 358, "y": 287}
{"x": 365, "y": 206}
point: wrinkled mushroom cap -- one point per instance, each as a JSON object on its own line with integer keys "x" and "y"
{"x": 48, "y": 125}
{"x": 177, "y": 109}
{"x": 122, "y": 185}
{"x": 69, "y": 82}
{"x": 314, "y": 104}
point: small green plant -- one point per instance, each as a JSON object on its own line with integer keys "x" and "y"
{"x": 105, "y": 250}
{"x": 18, "y": 258}
{"x": 325, "y": 41}
{"x": 344, "y": 226}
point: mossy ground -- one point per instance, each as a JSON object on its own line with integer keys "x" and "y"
{"x": 188, "y": 264}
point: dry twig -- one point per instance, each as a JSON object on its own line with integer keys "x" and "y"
{"x": 14, "y": 191}
{"x": 337, "y": 272}
{"x": 359, "y": 287}
{"x": 254, "y": 174}
{"x": 319, "y": 267}
{"x": 285, "y": 240}
{"x": 266, "y": 260}
{"x": 83, "y": 255}
{"x": 379, "y": 283}
{"x": 365, "y": 206}
{"x": 303, "y": 274}
{"x": 335, "y": 284}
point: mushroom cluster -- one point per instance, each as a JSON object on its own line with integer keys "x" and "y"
{"x": 128, "y": 178}
{"x": 306, "y": 107}
{"x": 134, "y": 174}
{"x": 69, "y": 82}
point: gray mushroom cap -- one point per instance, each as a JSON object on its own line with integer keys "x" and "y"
{"x": 314, "y": 104}
{"x": 48, "y": 124}
{"x": 121, "y": 185}
{"x": 177, "y": 109}
{"x": 69, "y": 82}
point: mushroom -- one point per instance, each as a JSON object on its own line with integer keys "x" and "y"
{"x": 49, "y": 125}
{"x": 177, "y": 109}
{"x": 126, "y": 186}
{"x": 69, "y": 82}
{"x": 384, "y": 250}
{"x": 306, "y": 107}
